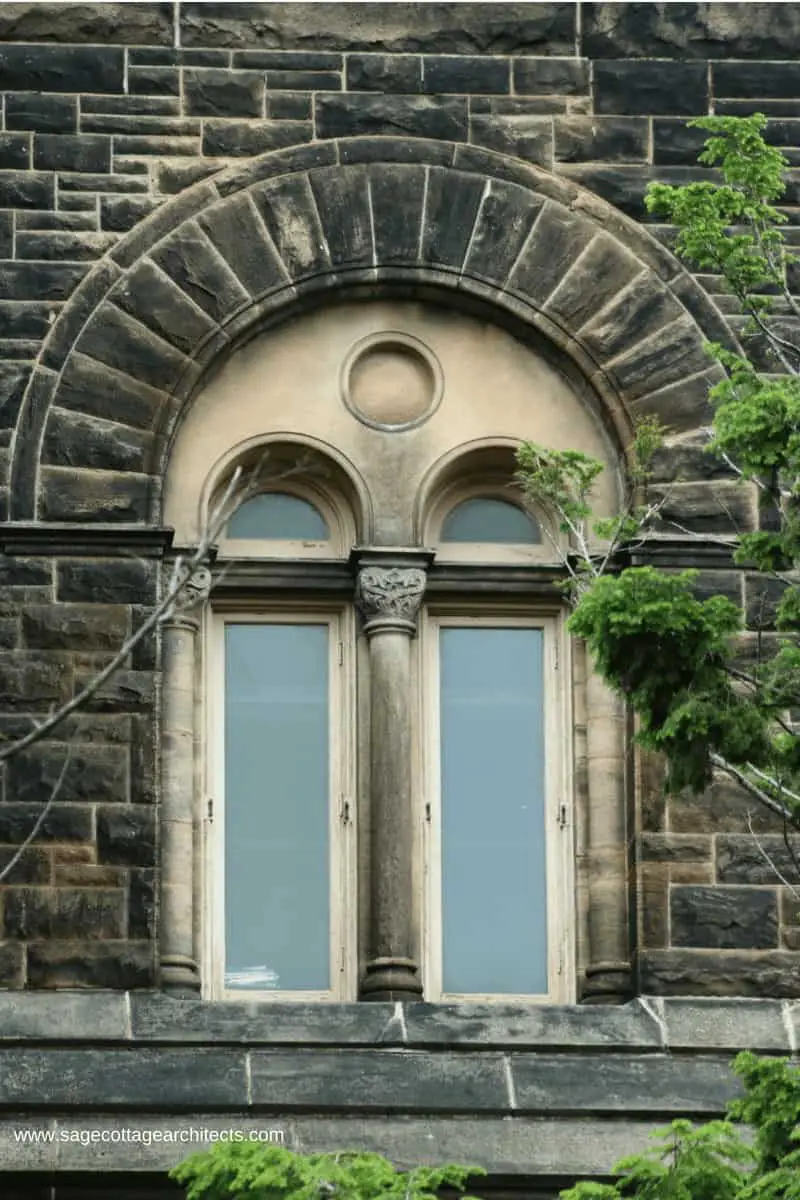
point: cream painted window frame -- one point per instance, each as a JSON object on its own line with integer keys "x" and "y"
{"x": 342, "y": 806}
{"x": 342, "y": 530}
{"x": 508, "y": 553}
{"x": 559, "y": 806}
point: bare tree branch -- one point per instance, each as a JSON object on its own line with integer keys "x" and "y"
{"x": 773, "y": 866}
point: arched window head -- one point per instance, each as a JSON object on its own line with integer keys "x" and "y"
{"x": 288, "y": 502}
{"x": 490, "y": 519}
{"x": 278, "y": 516}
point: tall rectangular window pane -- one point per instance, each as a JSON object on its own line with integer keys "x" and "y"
{"x": 277, "y": 804}
{"x": 494, "y": 915}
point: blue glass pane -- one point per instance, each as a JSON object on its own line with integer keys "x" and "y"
{"x": 277, "y": 874}
{"x": 278, "y": 515}
{"x": 494, "y": 899}
{"x": 486, "y": 520}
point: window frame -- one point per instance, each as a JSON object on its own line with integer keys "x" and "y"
{"x": 486, "y": 487}
{"x": 342, "y": 807}
{"x": 337, "y": 545}
{"x": 559, "y": 806}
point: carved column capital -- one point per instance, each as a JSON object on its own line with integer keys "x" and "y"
{"x": 390, "y": 586}
{"x": 184, "y": 613}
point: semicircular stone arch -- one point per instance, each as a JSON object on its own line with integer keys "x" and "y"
{"x": 240, "y": 250}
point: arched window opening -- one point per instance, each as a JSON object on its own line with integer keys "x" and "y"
{"x": 487, "y": 519}
{"x": 278, "y": 516}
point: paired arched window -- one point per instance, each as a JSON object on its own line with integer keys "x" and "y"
{"x": 291, "y": 739}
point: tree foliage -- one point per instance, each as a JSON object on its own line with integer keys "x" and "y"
{"x": 674, "y": 654}
{"x": 233, "y": 1170}
{"x": 753, "y": 1155}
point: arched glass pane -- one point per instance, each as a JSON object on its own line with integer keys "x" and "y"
{"x": 277, "y": 515}
{"x": 484, "y": 519}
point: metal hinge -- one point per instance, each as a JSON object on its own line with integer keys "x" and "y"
{"x": 562, "y": 816}
{"x": 555, "y": 656}
{"x": 344, "y": 810}
{"x": 210, "y": 810}
{"x": 428, "y": 813}
{"x": 340, "y": 653}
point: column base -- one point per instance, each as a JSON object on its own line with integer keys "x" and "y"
{"x": 391, "y": 979}
{"x": 608, "y": 983}
{"x": 179, "y": 976}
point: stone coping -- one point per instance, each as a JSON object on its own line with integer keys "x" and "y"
{"x": 644, "y": 1025}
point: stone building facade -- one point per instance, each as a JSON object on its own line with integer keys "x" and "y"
{"x": 381, "y": 244}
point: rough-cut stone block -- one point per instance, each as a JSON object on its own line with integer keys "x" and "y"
{"x": 31, "y": 321}
{"x": 724, "y": 918}
{"x": 739, "y": 859}
{"x": 288, "y": 209}
{"x": 40, "y": 281}
{"x": 720, "y": 973}
{"x": 507, "y": 1026}
{"x": 304, "y": 81}
{"x": 154, "y": 81}
{"x": 115, "y": 339}
{"x": 125, "y": 690}
{"x": 61, "y": 68}
{"x": 121, "y": 213}
{"x": 593, "y": 280}
{"x": 27, "y": 189}
{"x": 86, "y": 773}
{"x": 504, "y": 221}
{"x": 282, "y": 60}
{"x": 674, "y": 847}
{"x": 462, "y": 75}
{"x": 653, "y": 903}
{"x": 397, "y": 194}
{"x": 342, "y": 200}
{"x": 725, "y": 1025}
{"x": 622, "y": 1083}
{"x": 451, "y": 206}
{"x": 289, "y": 106}
{"x": 63, "y": 823}
{"x": 190, "y": 260}
{"x": 126, "y": 835}
{"x": 240, "y": 236}
{"x": 105, "y": 581}
{"x": 173, "y": 175}
{"x": 42, "y": 113}
{"x": 558, "y": 238}
{"x": 63, "y": 246}
{"x": 12, "y": 965}
{"x": 158, "y": 1018}
{"x": 667, "y": 356}
{"x": 98, "y": 24}
{"x": 658, "y": 87}
{"x": 13, "y": 380}
{"x": 420, "y": 116}
{"x": 142, "y": 902}
{"x": 76, "y": 494}
{"x": 762, "y": 595}
{"x": 247, "y": 138}
{"x": 59, "y": 152}
{"x": 527, "y": 137}
{"x": 91, "y": 387}
{"x": 165, "y": 220}
{"x": 220, "y": 93}
{"x": 117, "y": 1078}
{"x": 546, "y": 76}
{"x": 715, "y": 30}
{"x": 66, "y": 1017}
{"x": 675, "y": 142}
{"x": 601, "y": 139}
{"x": 84, "y": 964}
{"x": 32, "y": 866}
{"x": 683, "y": 405}
{"x": 15, "y": 151}
{"x": 383, "y": 73}
{"x": 719, "y": 507}
{"x": 32, "y": 679}
{"x": 31, "y": 913}
{"x": 688, "y": 458}
{"x": 370, "y": 1080}
{"x": 151, "y": 297}
{"x": 756, "y": 80}
{"x": 404, "y": 28}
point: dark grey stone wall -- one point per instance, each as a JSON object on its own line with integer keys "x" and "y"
{"x": 113, "y": 116}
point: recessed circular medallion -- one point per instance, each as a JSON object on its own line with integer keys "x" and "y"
{"x": 391, "y": 381}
